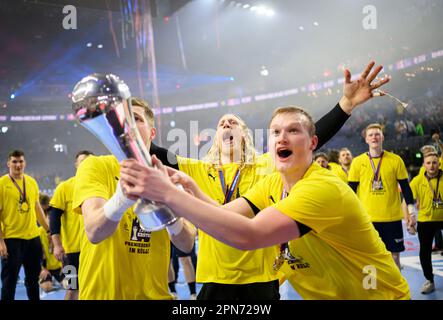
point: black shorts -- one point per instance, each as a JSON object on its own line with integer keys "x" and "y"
{"x": 70, "y": 268}
{"x": 57, "y": 274}
{"x": 251, "y": 291}
{"x": 391, "y": 233}
{"x": 178, "y": 253}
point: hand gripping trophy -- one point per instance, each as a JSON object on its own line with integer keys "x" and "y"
{"x": 102, "y": 104}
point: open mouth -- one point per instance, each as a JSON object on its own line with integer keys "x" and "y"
{"x": 284, "y": 153}
{"x": 228, "y": 138}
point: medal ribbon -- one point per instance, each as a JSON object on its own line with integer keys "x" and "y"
{"x": 376, "y": 172}
{"x": 229, "y": 191}
{"x": 22, "y": 194}
{"x": 435, "y": 194}
{"x": 283, "y": 246}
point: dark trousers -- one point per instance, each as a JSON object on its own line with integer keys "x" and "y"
{"x": 21, "y": 252}
{"x": 426, "y": 232}
{"x": 438, "y": 240}
{"x": 251, "y": 291}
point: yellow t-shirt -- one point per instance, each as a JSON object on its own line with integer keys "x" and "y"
{"x": 131, "y": 264}
{"x": 382, "y": 205}
{"x": 423, "y": 194}
{"x": 51, "y": 261}
{"x": 422, "y": 169}
{"x": 217, "y": 261}
{"x": 342, "y": 257}
{"x": 71, "y": 222}
{"x": 17, "y": 223}
{"x": 338, "y": 170}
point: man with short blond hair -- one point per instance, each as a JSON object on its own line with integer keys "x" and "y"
{"x": 119, "y": 260}
{"x": 374, "y": 176}
{"x": 329, "y": 238}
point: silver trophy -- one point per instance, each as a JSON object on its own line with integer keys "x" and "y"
{"x": 102, "y": 104}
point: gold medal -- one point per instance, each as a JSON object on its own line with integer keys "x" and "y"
{"x": 278, "y": 262}
{"x": 24, "y": 207}
{"x": 377, "y": 185}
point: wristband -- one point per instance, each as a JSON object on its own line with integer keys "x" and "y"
{"x": 175, "y": 228}
{"x": 115, "y": 207}
{"x": 411, "y": 209}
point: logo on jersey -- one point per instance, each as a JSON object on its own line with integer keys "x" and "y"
{"x": 139, "y": 241}
{"x": 139, "y": 234}
{"x": 298, "y": 263}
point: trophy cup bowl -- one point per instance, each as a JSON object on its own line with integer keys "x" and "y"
{"x": 102, "y": 105}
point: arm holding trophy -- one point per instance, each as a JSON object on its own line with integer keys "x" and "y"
{"x": 125, "y": 125}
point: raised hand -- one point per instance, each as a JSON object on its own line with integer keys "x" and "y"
{"x": 360, "y": 90}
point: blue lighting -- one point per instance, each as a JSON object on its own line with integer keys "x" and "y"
{"x": 12, "y": 96}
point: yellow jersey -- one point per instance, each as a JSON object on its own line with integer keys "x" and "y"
{"x": 383, "y": 205}
{"x": 339, "y": 171}
{"x": 342, "y": 256}
{"x": 71, "y": 223}
{"x": 132, "y": 263}
{"x": 425, "y": 196}
{"x": 217, "y": 261}
{"x": 19, "y": 221}
{"x": 51, "y": 261}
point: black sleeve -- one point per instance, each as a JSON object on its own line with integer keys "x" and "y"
{"x": 353, "y": 185}
{"x": 301, "y": 227}
{"x": 406, "y": 191}
{"x": 330, "y": 124}
{"x": 55, "y": 220}
{"x": 304, "y": 229}
{"x": 166, "y": 157}
{"x": 253, "y": 207}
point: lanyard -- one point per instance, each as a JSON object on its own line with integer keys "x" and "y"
{"x": 22, "y": 194}
{"x": 229, "y": 191}
{"x": 284, "y": 254}
{"x": 283, "y": 246}
{"x": 434, "y": 192}
{"x": 376, "y": 172}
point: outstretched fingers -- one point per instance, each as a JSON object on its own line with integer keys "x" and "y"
{"x": 366, "y": 72}
{"x": 374, "y": 73}
{"x": 379, "y": 83}
{"x": 347, "y": 76}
